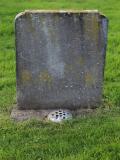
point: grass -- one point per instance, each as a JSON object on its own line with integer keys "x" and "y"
{"x": 88, "y": 138}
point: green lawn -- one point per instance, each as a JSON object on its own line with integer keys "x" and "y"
{"x": 95, "y": 137}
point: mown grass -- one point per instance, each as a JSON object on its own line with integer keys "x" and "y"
{"x": 94, "y": 137}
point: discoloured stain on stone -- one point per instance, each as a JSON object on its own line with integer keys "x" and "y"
{"x": 91, "y": 29}
{"x": 54, "y": 60}
{"x": 80, "y": 61}
{"x": 25, "y": 76}
{"x": 89, "y": 79}
{"x": 45, "y": 77}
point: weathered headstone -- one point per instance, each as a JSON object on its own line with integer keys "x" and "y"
{"x": 60, "y": 59}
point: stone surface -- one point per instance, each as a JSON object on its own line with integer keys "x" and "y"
{"x": 23, "y": 115}
{"x": 60, "y": 57}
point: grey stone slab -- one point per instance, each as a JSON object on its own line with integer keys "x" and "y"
{"x": 60, "y": 57}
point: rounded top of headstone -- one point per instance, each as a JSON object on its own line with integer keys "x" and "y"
{"x": 59, "y": 11}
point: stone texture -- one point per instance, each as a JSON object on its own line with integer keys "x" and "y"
{"x": 41, "y": 114}
{"x": 60, "y": 57}
{"x": 22, "y": 115}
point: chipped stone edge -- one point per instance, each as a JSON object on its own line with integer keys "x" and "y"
{"x": 59, "y": 11}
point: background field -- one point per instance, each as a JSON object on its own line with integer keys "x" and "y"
{"x": 88, "y": 138}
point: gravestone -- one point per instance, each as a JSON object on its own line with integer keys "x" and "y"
{"x": 60, "y": 58}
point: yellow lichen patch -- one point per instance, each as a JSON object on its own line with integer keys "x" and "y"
{"x": 80, "y": 61}
{"x": 31, "y": 27}
{"x": 69, "y": 67}
{"x": 95, "y": 27}
{"x": 26, "y": 76}
{"x": 89, "y": 79}
{"x": 91, "y": 26}
{"x": 45, "y": 77}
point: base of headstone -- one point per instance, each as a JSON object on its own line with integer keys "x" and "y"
{"x": 22, "y": 115}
